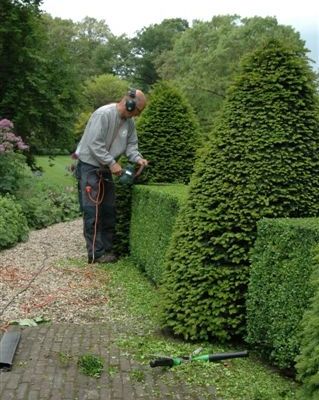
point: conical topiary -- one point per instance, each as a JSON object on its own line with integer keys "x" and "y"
{"x": 263, "y": 161}
{"x": 168, "y": 135}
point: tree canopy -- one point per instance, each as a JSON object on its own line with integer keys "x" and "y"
{"x": 205, "y": 58}
{"x": 39, "y": 86}
{"x": 45, "y": 61}
{"x": 148, "y": 45}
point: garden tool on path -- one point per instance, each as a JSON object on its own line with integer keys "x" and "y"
{"x": 173, "y": 361}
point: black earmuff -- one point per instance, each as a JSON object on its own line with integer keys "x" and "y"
{"x": 130, "y": 103}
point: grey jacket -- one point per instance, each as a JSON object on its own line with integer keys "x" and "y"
{"x": 106, "y": 137}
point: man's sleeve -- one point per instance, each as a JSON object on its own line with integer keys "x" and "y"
{"x": 97, "y": 146}
{"x": 132, "y": 152}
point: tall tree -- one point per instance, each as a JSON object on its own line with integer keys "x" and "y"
{"x": 115, "y": 57}
{"x": 205, "y": 58}
{"x": 149, "y": 43}
{"x": 98, "y": 91}
{"x": 92, "y": 46}
{"x": 39, "y": 86}
{"x": 20, "y": 34}
{"x": 90, "y": 35}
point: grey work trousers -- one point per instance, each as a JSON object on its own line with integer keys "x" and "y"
{"x": 97, "y": 202}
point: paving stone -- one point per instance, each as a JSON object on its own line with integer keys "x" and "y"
{"x": 45, "y": 368}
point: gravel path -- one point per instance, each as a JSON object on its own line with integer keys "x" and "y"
{"x": 48, "y": 276}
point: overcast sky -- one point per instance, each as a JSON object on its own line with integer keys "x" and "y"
{"x": 129, "y": 16}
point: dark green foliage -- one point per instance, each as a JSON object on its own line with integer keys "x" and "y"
{"x": 44, "y": 204}
{"x": 149, "y": 44}
{"x": 262, "y": 161}
{"x": 13, "y": 224}
{"x": 103, "y": 89}
{"x": 155, "y": 209}
{"x": 13, "y": 171}
{"x": 168, "y": 135}
{"x": 39, "y": 88}
{"x": 307, "y": 361}
{"x": 279, "y": 288}
{"x": 123, "y": 218}
{"x": 205, "y": 58}
{"x": 98, "y": 91}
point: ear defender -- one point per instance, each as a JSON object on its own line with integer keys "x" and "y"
{"x": 130, "y": 103}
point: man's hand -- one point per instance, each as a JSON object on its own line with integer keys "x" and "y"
{"x": 142, "y": 161}
{"x": 116, "y": 169}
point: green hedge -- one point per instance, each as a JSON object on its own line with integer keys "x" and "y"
{"x": 279, "y": 289}
{"x": 154, "y": 210}
{"x": 13, "y": 224}
{"x": 123, "y": 217}
{"x": 308, "y": 360}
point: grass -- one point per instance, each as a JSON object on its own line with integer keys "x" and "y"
{"x": 91, "y": 365}
{"x": 56, "y": 170}
{"x": 136, "y": 300}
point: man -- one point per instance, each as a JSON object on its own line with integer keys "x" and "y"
{"x": 109, "y": 133}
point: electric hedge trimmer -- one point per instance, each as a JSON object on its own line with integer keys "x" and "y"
{"x": 173, "y": 361}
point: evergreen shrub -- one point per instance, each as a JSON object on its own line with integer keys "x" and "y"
{"x": 44, "y": 204}
{"x": 13, "y": 168}
{"x": 308, "y": 360}
{"x": 154, "y": 210}
{"x": 168, "y": 135}
{"x": 13, "y": 224}
{"x": 123, "y": 218}
{"x": 262, "y": 160}
{"x": 280, "y": 288}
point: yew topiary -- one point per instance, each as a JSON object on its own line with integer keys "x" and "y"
{"x": 168, "y": 135}
{"x": 262, "y": 161}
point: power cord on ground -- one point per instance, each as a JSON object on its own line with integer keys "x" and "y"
{"x": 39, "y": 271}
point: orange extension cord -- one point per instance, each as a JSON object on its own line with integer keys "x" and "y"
{"x": 97, "y": 201}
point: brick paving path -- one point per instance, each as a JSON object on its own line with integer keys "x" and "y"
{"x": 45, "y": 368}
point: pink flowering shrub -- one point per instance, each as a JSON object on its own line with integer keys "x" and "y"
{"x": 13, "y": 165}
{"x": 8, "y": 140}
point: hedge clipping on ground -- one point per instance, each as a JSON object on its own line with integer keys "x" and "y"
{"x": 262, "y": 161}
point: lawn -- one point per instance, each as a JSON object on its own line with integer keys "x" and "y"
{"x": 135, "y": 301}
{"x": 56, "y": 170}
